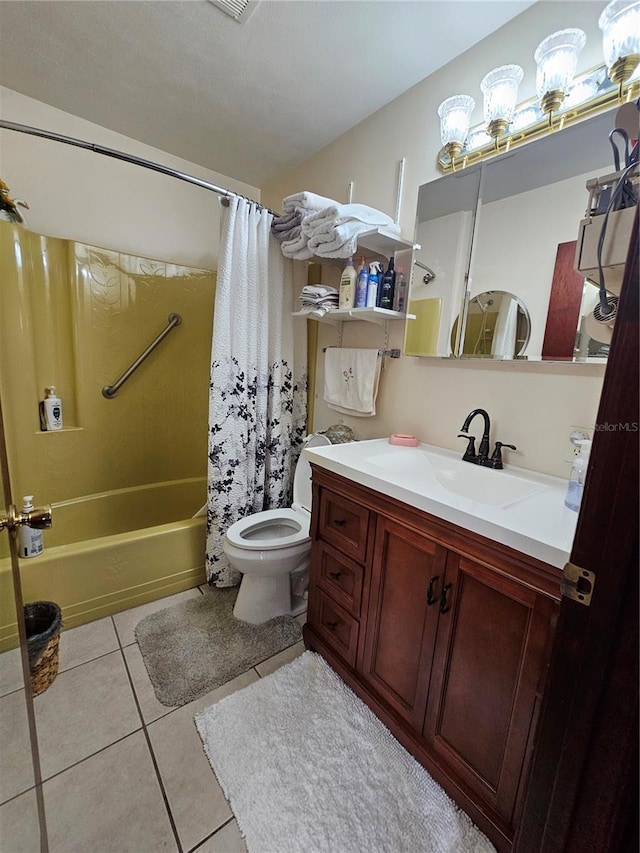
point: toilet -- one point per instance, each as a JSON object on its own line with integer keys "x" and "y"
{"x": 272, "y": 550}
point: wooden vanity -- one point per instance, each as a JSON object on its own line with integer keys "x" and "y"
{"x": 444, "y": 634}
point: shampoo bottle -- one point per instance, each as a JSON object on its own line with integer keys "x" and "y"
{"x": 31, "y": 543}
{"x": 387, "y": 287}
{"x": 347, "y": 286}
{"x": 577, "y": 475}
{"x": 372, "y": 286}
{"x": 361, "y": 285}
{"x": 51, "y": 410}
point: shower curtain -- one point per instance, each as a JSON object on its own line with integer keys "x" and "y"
{"x": 504, "y": 337}
{"x": 257, "y": 400}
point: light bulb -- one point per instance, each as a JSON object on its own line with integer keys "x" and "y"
{"x": 556, "y": 60}
{"x": 620, "y": 25}
{"x": 455, "y": 115}
{"x": 500, "y": 90}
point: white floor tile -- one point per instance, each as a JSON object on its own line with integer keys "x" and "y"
{"x": 110, "y": 803}
{"x": 84, "y": 710}
{"x": 195, "y": 798}
{"x": 149, "y": 706}
{"x": 285, "y": 656}
{"x": 226, "y": 840}
{"x": 16, "y": 773}
{"x": 10, "y": 672}
{"x": 87, "y": 642}
{"x": 19, "y": 825}
{"x": 126, "y": 621}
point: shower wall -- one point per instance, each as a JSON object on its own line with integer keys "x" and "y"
{"x": 76, "y": 316}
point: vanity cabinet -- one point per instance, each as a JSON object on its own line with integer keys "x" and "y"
{"x": 444, "y": 634}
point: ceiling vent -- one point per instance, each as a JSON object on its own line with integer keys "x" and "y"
{"x": 239, "y": 10}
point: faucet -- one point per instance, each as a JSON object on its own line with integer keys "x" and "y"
{"x": 482, "y": 456}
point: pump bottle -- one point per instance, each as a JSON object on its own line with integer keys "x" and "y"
{"x": 372, "y": 287}
{"x": 575, "y": 486}
{"x": 31, "y": 543}
{"x": 51, "y": 410}
{"x": 347, "y": 286}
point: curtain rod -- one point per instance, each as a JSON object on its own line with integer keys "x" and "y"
{"x": 130, "y": 158}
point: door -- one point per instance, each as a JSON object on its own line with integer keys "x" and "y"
{"x": 488, "y": 673}
{"x": 406, "y": 582}
{"x": 21, "y": 801}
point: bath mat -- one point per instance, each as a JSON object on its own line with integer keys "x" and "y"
{"x": 308, "y": 768}
{"x": 198, "y": 645}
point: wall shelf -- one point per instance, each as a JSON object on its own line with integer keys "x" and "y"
{"x": 379, "y": 316}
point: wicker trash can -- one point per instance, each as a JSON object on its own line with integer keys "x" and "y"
{"x": 43, "y": 620}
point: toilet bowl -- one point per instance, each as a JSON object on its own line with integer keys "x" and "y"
{"x": 272, "y": 549}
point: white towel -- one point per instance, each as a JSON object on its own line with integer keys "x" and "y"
{"x": 351, "y": 378}
{"x": 308, "y": 200}
{"x": 340, "y": 213}
{"x": 297, "y": 248}
{"x": 341, "y": 242}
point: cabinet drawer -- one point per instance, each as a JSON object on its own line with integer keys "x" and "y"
{"x": 336, "y": 627}
{"x": 340, "y": 578}
{"x": 344, "y": 524}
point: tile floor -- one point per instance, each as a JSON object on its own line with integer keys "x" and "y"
{"x": 121, "y": 771}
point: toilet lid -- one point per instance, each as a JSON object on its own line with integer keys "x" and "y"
{"x": 302, "y": 478}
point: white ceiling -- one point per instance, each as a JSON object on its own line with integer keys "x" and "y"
{"x": 250, "y": 99}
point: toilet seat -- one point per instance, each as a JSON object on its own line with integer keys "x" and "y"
{"x": 270, "y": 529}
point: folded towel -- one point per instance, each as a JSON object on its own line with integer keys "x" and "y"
{"x": 289, "y": 220}
{"x": 285, "y": 236}
{"x": 340, "y": 213}
{"x": 341, "y": 242}
{"x": 308, "y": 200}
{"x": 351, "y": 378}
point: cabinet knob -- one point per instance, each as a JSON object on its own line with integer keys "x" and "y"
{"x": 335, "y": 575}
{"x": 431, "y": 597}
{"x": 444, "y": 604}
{"x": 339, "y": 522}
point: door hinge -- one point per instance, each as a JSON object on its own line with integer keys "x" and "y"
{"x": 577, "y": 584}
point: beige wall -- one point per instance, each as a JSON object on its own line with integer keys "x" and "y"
{"x": 94, "y": 199}
{"x": 533, "y": 406}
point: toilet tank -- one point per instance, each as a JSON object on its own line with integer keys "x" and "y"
{"x": 302, "y": 478}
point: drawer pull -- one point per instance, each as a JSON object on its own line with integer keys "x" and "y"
{"x": 444, "y": 605}
{"x": 431, "y": 598}
{"x": 332, "y": 625}
{"x": 335, "y": 575}
{"x": 339, "y": 522}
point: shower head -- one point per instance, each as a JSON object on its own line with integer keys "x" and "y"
{"x": 484, "y": 307}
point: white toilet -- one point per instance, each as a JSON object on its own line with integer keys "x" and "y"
{"x": 272, "y": 550}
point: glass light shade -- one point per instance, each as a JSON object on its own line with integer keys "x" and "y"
{"x": 556, "y": 59}
{"x": 455, "y": 116}
{"x": 620, "y": 25}
{"x": 500, "y": 90}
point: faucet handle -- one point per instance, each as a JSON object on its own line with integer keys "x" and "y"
{"x": 496, "y": 456}
{"x": 470, "y": 453}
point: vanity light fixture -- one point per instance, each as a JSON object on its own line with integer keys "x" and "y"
{"x": 620, "y": 25}
{"x": 455, "y": 116}
{"x": 500, "y": 90}
{"x": 556, "y": 60}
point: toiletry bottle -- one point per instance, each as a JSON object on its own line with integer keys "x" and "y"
{"x": 400, "y": 296}
{"x": 387, "y": 287}
{"x": 30, "y": 540}
{"x": 347, "y": 286}
{"x": 577, "y": 475}
{"x": 361, "y": 284}
{"x": 372, "y": 286}
{"x": 51, "y": 410}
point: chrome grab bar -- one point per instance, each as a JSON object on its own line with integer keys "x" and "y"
{"x": 110, "y": 391}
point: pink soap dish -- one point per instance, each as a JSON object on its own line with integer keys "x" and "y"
{"x": 403, "y": 440}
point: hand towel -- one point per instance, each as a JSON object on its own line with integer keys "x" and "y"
{"x": 308, "y": 200}
{"x": 340, "y": 213}
{"x": 351, "y": 378}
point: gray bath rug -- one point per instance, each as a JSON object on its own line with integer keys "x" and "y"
{"x": 194, "y": 647}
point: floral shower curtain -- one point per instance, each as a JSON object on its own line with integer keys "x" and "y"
{"x": 257, "y": 400}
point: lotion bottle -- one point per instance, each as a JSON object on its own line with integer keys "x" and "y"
{"x": 361, "y": 285}
{"x": 575, "y": 486}
{"x": 347, "y": 286}
{"x": 31, "y": 542}
{"x": 51, "y": 410}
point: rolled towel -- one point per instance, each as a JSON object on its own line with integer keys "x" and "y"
{"x": 289, "y": 220}
{"x": 308, "y": 200}
{"x": 341, "y": 213}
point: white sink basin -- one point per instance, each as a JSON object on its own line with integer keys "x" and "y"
{"x": 520, "y": 508}
{"x": 495, "y": 488}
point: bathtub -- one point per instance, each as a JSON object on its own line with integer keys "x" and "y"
{"x": 111, "y": 551}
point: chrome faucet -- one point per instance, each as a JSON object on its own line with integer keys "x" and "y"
{"x": 482, "y": 456}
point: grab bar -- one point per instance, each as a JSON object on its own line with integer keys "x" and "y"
{"x": 110, "y": 391}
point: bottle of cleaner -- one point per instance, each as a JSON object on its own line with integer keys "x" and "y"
{"x": 372, "y": 286}
{"x": 387, "y": 287}
{"x": 362, "y": 284}
{"x": 400, "y": 296}
{"x": 30, "y": 540}
{"x": 575, "y": 487}
{"x": 51, "y": 410}
{"x": 347, "y": 286}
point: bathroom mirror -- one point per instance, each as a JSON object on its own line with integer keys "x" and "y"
{"x": 496, "y": 325}
{"x": 518, "y": 239}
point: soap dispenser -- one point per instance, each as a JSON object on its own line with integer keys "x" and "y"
{"x": 575, "y": 487}
{"x": 31, "y": 541}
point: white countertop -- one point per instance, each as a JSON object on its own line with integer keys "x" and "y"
{"x": 519, "y": 508}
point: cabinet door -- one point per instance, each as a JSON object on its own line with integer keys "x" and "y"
{"x": 488, "y": 671}
{"x": 407, "y": 575}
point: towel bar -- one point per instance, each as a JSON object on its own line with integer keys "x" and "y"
{"x": 392, "y": 353}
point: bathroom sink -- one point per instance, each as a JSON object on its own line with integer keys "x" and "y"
{"x": 484, "y": 485}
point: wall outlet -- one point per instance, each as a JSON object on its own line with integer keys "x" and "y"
{"x": 578, "y": 433}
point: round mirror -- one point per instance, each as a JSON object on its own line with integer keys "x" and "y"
{"x": 497, "y": 326}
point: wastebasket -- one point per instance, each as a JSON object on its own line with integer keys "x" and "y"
{"x": 43, "y": 620}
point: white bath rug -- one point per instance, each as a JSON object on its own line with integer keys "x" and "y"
{"x": 308, "y": 768}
